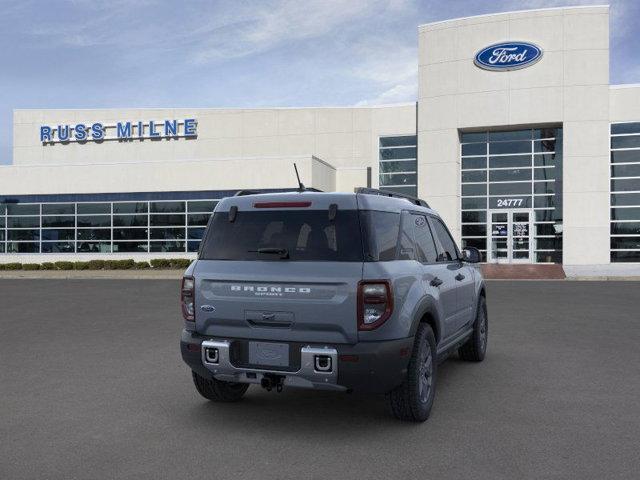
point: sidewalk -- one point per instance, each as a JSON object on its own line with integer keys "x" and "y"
{"x": 93, "y": 274}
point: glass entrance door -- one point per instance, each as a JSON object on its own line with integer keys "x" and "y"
{"x": 510, "y": 240}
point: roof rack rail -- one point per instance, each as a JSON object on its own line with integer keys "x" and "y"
{"x": 242, "y": 193}
{"x": 386, "y": 193}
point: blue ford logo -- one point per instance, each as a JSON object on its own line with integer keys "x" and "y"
{"x": 508, "y": 56}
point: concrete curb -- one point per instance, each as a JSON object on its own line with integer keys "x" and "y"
{"x": 92, "y": 274}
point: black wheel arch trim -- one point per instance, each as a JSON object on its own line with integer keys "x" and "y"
{"x": 427, "y": 307}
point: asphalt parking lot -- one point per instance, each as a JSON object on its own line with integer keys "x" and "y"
{"x": 92, "y": 386}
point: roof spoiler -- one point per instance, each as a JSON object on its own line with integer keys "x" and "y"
{"x": 386, "y": 193}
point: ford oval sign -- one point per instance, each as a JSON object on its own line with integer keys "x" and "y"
{"x": 508, "y": 56}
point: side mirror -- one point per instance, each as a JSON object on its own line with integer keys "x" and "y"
{"x": 471, "y": 255}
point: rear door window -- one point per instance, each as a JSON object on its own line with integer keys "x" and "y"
{"x": 425, "y": 245}
{"x": 447, "y": 250}
{"x": 307, "y": 235}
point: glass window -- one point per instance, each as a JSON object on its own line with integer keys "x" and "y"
{"x": 398, "y": 153}
{"x": 474, "y": 217}
{"x": 130, "y": 220}
{"x": 23, "y": 247}
{"x": 544, "y": 173}
{"x": 510, "y": 161}
{"x": 23, "y": 222}
{"x": 626, "y": 228}
{"x": 195, "y": 233}
{"x": 167, "y": 220}
{"x": 509, "y": 147}
{"x": 304, "y": 235}
{"x": 129, "y": 247}
{"x": 544, "y": 187}
{"x": 474, "y": 230}
{"x": 130, "y": 234}
{"x": 625, "y": 213}
{"x": 398, "y": 179}
{"x": 94, "y": 234}
{"x": 407, "y": 247}
{"x": 513, "y": 174}
{"x": 626, "y": 243}
{"x": 632, "y": 127}
{"x": 55, "y": 234}
{"x": 168, "y": 233}
{"x": 544, "y": 201}
{"x": 545, "y": 229}
{"x": 548, "y": 243}
{"x": 193, "y": 246}
{"x": 625, "y": 156}
{"x": 178, "y": 246}
{"x": 380, "y": 233}
{"x": 544, "y": 215}
{"x": 628, "y": 256}
{"x": 94, "y": 247}
{"x": 58, "y": 209}
{"x": 58, "y": 247}
{"x": 479, "y": 243}
{"x": 167, "y": 207}
{"x": 23, "y": 234}
{"x": 474, "y": 149}
{"x": 546, "y": 133}
{"x": 93, "y": 208}
{"x": 468, "y": 163}
{"x": 544, "y": 160}
{"x": 509, "y": 188}
{"x": 632, "y": 141}
{"x": 403, "y": 166}
{"x": 425, "y": 245}
{"x": 631, "y": 199}
{"x": 130, "y": 207}
{"x": 447, "y": 250}
{"x": 625, "y": 170}
{"x": 58, "y": 221}
{"x": 23, "y": 209}
{"x": 510, "y": 135}
{"x": 94, "y": 221}
{"x": 398, "y": 141}
{"x": 474, "y": 176}
{"x": 474, "y": 203}
{"x": 627, "y": 184}
{"x": 544, "y": 145}
{"x": 411, "y": 191}
{"x": 468, "y": 137}
{"x": 472, "y": 189}
{"x": 205, "y": 206}
{"x": 2, "y": 222}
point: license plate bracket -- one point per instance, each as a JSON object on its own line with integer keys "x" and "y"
{"x": 269, "y": 354}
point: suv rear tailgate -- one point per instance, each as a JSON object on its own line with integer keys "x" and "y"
{"x": 285, "y": 301}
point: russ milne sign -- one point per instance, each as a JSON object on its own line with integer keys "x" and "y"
{"x": 508, "y": 56}
{"x": 96, "y": 132}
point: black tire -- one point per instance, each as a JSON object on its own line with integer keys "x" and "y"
{"x": 218, "y": 391}
{"x": 475, "y": 348}
{"x": 412, "y": 401}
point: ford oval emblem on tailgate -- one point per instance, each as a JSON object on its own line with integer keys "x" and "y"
{"x": 207, "y": 308}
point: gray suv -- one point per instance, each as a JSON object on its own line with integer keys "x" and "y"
{"x": 361, "y": 291}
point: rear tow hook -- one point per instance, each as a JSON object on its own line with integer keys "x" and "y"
{"x": 269, "y": 381}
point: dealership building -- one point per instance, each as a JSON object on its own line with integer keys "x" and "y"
{"x": 516, "y": 138}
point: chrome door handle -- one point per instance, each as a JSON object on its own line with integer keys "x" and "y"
{"x": 460, "y": 277}
{"x": 436, "y": 282}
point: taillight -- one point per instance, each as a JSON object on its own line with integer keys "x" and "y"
{"x": 375, "y": 303}
{"x": 187, "y": 298}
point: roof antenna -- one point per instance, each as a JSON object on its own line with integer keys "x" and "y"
{"x": 301, "y": 187}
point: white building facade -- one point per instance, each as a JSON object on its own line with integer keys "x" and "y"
{"x": 517, "y": 139}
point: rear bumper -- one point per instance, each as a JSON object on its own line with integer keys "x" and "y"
{"x": 375, "y": 367}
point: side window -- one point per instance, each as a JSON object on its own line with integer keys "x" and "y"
{"x": 425, "y": 246}
{"x": 405, "y": 243}
{"x": 449, "y": 251}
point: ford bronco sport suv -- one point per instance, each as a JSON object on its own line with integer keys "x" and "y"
{"x": 364, "y": 291}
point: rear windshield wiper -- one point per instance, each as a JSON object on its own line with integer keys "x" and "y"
{"x": 283, "y": 252}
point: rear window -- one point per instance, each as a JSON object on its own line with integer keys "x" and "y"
{"x": 306, "y": 235}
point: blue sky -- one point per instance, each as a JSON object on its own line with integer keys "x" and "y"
{"x": 146, "y": 53}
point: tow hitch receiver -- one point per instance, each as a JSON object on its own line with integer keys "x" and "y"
{"x": 270, "y": 381}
